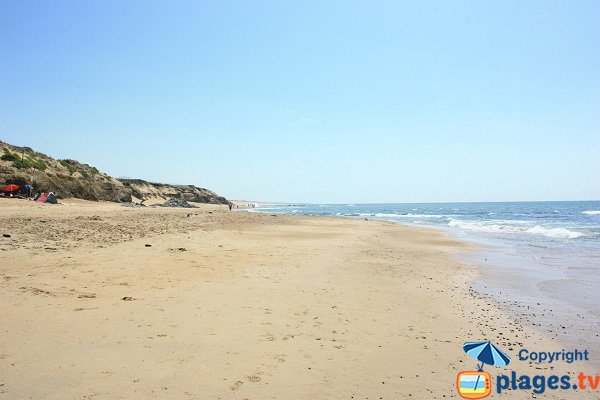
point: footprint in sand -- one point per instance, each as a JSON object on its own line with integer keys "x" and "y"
{"x": 280, "y": 358}
{"x": 236, "y": 385}
{"x": 268, "y": 337}
{"x": 36, "y": 291}
{"x": 253, "y": 378}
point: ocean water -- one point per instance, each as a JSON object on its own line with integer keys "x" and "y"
{"x": 545, "y": 255}
{"x": 569, "y": 224}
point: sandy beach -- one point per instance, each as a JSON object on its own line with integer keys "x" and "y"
{"x": 101, "y": 301}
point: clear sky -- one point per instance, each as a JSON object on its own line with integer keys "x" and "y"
{"x": 313, "y": 101}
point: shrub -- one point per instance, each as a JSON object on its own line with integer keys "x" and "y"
{"x": 17, "y": 180}
{"x": 40, "y": 165}
{"x": 21, "y": 162}
{"x": 8, "y": 156}
{"x": 68, "y": 165}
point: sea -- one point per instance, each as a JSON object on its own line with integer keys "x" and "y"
{"x": 541, "y": 260}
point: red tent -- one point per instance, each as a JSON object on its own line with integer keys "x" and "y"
{"x": 48, "y": 197}
{"x": 10, "y": 188}
{"x": 43, "y": 197}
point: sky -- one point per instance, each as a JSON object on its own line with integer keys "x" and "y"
{"x": 313, "y": 101}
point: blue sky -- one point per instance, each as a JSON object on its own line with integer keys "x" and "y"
{"x": 334, "y": 101}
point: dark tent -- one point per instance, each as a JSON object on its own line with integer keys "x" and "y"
{"x": 48, "y": 197}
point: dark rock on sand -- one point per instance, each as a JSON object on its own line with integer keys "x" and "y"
{"x": 144, "y": 190}
{"x": 177, "y": 203}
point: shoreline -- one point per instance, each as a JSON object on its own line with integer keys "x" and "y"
{"x": 541, "y": 299}
{"x": 111, "y": 301}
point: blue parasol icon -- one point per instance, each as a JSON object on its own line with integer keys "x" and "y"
{"x": 487, "y": 353}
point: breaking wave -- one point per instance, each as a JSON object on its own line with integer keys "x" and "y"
{"x": 592, "y": 212}
{"x": 558, "y": 233}
{"x": 408, "y": 215}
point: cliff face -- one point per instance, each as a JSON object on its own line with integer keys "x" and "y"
{"x": 66, "y": 178}
{"x": 146, "y": 190}
{"x": 70, "y": 178}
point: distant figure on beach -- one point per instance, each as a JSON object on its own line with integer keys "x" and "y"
{"x": 230, "y": 205}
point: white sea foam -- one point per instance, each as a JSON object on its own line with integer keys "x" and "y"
{"x": 400, "y": 216}
{"x": 409, "y": 215}
{"x": 478, "y": 226}
{"x": 592, "y": 212}
{"x": 514, "y": 222}
{"x": 561, "y": 233}
{"x": 481, "y": 227}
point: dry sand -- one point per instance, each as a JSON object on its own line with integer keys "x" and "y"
{"x": 100, "y": 301}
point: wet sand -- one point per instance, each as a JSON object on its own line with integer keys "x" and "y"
{"x": 100, "y": 301}
{"x": 561, "y": 302}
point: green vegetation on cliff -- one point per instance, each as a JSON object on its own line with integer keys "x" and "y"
{"x": 70, "y": 178}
